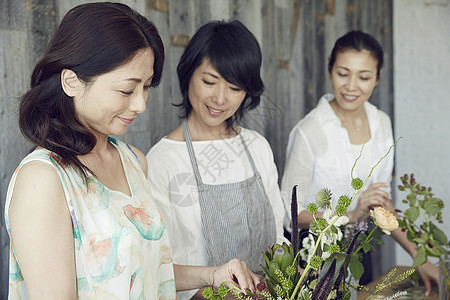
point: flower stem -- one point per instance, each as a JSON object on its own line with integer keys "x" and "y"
{"x": 355, "y": 193}
{"x": 368, "y": 240}
{"x": 446, "y": 271}
{"x": 308, "y": 266}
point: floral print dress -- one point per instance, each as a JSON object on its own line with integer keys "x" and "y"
{"x": 121, "y": 245}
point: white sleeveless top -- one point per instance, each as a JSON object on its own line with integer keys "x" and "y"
{"x": 121, "y": 246}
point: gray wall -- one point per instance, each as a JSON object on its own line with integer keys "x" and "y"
{"x": 422, "y": 106}
{"x": 296, "y": 37}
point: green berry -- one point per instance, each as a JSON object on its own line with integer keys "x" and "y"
{"x": 341, "y": 210}
{"x": 344, "y": 200}
{"x": 321, "y": 224}
{"x": 291, "y": 271}
{"x": 315, "y": 262}
{"x": 334, "y": 248}
{"x": 222, "y": 291}
{"x": 312, "y": 208}
{"x": 208, "y": 293}
{"x": 357, "y": 183}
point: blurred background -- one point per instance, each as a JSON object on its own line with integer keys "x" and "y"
{"x": 296, "y": 37}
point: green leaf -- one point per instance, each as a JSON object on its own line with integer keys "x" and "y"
{"x": 379, "y": 241}
{"x": 378, "y": 232}
{"x": 438, "y": 235}
{"x": 419, "y": 240}
{"x": 433, "y": 211}
{"x": 366, "y": 246}
{"x": 432, "y": 206}
{"x": 269, "y": 276}
{"x": 412, "y": 199}
{"x": 432, "y": 251}
{"x": 421, "y": 203}
{"x": 432, "y": 201}
{"x": 362, "y": 236}
{"x": 271, "y": 289}
{"x": 421, "y": 257}
{"x": 288, "y": 259}
{"x": 441, "y": 249}
{"x": 266, "y": 258}
{"x": 340, "y": 260}
{"x": 356, "y": 267}
{"x": 334, "y": 229}
{"x": 412, "y": 213}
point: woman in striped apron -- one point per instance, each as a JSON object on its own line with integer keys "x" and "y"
{"x": 216, "y": 182}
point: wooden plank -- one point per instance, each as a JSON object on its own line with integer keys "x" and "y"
{"x": 44, "y": 20}
{"x": 14, "y": 77}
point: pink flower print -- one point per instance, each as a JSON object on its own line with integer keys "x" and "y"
{"x": 101, "y": 248}
{"x": 145, "y": 223}
{"x": 104, "y": 258}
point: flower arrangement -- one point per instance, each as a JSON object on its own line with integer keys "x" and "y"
{"x": 430, "y": 240}
{"x": 329, "y": 256}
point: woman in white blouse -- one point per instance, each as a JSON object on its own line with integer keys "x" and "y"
{"x": 324, "y": 145}
{"x": 214, "y": 182}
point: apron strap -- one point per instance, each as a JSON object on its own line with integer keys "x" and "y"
{"x": 187, "y": 138}
{"x": 250, "y": 158}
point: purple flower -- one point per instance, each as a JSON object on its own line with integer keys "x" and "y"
{"x": 361, "y": 226}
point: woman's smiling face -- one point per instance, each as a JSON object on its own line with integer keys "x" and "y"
{"x": 111, "y": 103}
{"x": 213, "y": 99}
{"x": 353, "y": 76}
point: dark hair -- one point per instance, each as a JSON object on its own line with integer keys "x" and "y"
{"x": 359, "y": 41}
{"x": 234, "y": 52}
{"x": 92, "y": 39}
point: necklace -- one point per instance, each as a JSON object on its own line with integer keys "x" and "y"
{"x": 357, "y": 128}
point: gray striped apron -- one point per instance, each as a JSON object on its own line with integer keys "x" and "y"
{"x": 237, "y": 218}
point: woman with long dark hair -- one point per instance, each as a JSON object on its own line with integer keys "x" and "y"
{"x": 78, "y": 210}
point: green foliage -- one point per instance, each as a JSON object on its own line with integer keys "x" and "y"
{"x": 281, "y": 261}
{"x": 430, "y": 240}
{"x": 281, "y": 270}
{"x": 356, "y": 267}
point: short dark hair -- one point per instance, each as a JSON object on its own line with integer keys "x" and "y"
{"x": 92, "y": 39}
{"x": 234, "y": 52}
{"x": 359, "y": 41}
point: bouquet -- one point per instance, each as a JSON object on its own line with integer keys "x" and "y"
{"x": 329, "y": 256}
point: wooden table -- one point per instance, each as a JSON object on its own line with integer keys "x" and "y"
{"x": 406, "y": 289}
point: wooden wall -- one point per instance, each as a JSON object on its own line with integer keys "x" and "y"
{"x": 296, "y": 37}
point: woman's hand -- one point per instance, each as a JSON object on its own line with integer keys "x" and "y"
{"x": 373, "y": 196}
{"x": 198, "y": 277}
{"x": 428, "y": 272}
{"x": 236, "y": 272}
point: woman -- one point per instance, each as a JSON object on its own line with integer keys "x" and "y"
{"x": 215, "y": 182}
{"x": 79, "y": 215}
{"x": 323, "y": 146}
